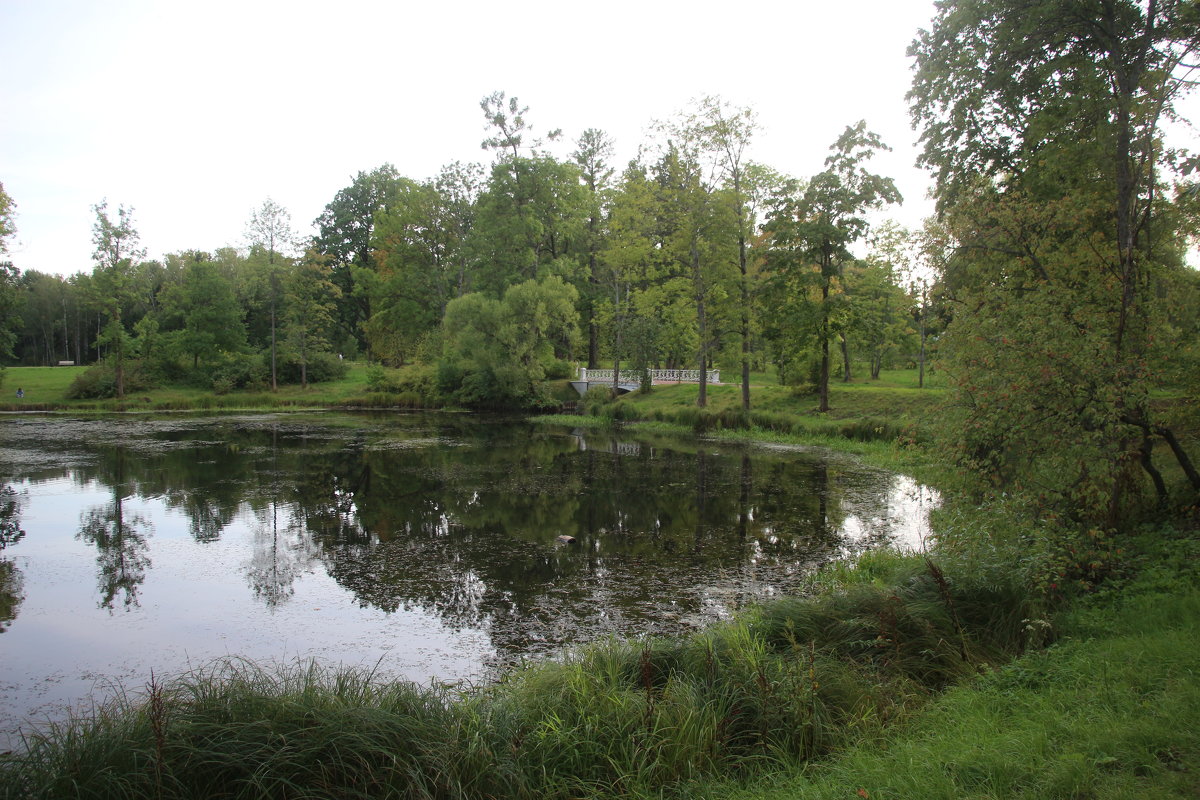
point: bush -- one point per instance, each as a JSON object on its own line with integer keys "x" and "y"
{"x": 321, "y": 367}
{"x": 241, "y": 372}
{"x": 559, "y": 370}
{"x": 100, "y": 382}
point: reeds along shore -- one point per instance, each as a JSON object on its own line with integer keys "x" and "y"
{"x": 794, "y": 680}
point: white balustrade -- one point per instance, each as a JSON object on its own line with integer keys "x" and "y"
{"x": 656, "y": 376}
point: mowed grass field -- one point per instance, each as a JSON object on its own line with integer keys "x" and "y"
{"x": 45, "y": 388}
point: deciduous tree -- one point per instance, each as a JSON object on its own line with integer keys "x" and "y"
{"x": 1041, "y": 122}
{"x": 117, "y": 251}
{"x": 811, "y": 230}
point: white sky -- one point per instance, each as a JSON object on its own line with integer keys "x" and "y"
{"x": 194, "y": 113}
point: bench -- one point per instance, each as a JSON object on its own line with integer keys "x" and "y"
{"x": 66, "y": 363}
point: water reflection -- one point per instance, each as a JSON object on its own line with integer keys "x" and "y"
{"x": 428, "y": 520}
{"x": 11, "y": 579}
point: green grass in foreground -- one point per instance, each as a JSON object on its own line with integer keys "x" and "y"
{"x": 1111, "y": 711}
{"x": 797, "y": 680}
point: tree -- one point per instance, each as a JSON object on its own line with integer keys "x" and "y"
{"x": 698, "y": 235}
{"x": 420, "y": 249}
{"x": 498, "y": 352}
{"x": 344, "y": 231}
{"x": 726, "y": 131}
{"x": 117, "y": 249}
{"x": 532, "y": 214}
{"x": 311, "y": 301}
{"x": 593, "y": 150}
{"x": 212, "y": 317}
{"x": 8, "y": 225}
{"x": 1041, "y": 122}
{"x": 270, "y": 228}
{"x": 10, "y": 299}
{"x": 812, "y": 229}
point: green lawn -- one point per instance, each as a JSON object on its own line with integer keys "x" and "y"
{"x": 45, "y": 388}
{"x": 1111, "y": 712}
{"x": 894, "y": 396}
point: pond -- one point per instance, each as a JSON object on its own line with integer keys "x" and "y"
{"x": 427, "y": 546}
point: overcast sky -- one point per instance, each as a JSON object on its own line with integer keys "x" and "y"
{"x": 194, "y": 113}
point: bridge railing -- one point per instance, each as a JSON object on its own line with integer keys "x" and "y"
{"x": 656, "y": 376}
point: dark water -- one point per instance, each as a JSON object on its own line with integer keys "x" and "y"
{"x": 426, "y": 544}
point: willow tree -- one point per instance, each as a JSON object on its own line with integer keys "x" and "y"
{"x": 1042, "y": 124}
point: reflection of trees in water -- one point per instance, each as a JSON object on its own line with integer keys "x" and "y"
{"x": 10, "y": 517}
{"x": 120, "y": 541}
{"x": 12, "y": 582}
{"x": 467, "y": 530}
{"x": 468, "y": 533}
{"x": 281, "y": 552}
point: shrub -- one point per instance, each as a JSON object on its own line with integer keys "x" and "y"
{"x": 100, "y": 382}
{"x": 559, "y": 370}
{"x": 240, "y": 371}
{"x": 321, "y": 367}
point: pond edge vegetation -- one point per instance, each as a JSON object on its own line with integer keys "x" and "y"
{"x": 796, "y": 681}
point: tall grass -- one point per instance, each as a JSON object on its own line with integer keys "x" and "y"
{"x": 1111, "y": 711}
{"x": 795, "y": 680}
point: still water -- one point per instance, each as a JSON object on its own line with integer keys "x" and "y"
{"x": 424, "y": 545}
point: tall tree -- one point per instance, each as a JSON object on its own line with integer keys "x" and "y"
{"x": 593, "y": 152}
{"x": 812, "y": 230}
{"x": 8, "y": 225}
{"x": 117, "y": 249}
{"x": 270, "y": 228}
{"x": 344, "y": 231}
{"x": 311, "y": 301}
{"x": 698, "y": 224}
{"x": 1041, "y": 122}
{"x": 726, "y": 132}
{"x": 531, "y": 217}
{"x": 211, "y": 316}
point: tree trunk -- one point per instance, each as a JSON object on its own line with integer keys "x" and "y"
{"x": 823, "y": 379}
{"x": 745, "y": 316}
{"x": 921, "y": 356}
{"x": 702, "y": 327}
{"x": 845, "y": 358}
{"x": 274, "y": 381}
{"x": 593, "y": 344}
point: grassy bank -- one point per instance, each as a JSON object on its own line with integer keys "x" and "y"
{"x": 795, "y": 681}
{"x": 45, "y": 389}
{"x": 1111, "y": 710}
{"x": 892, "y": 409}
{"x": 900, "y": 676}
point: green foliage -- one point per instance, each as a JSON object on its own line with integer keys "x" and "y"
{"x": 241, "y": 371}
{"x": 811, "y": 230}
{"x": 317, "y": 367}
{"x": 8, "y": 226}
{"x": 1045, "y": 143}
{"x": 100, "y": 381}
{"x": 496, "y": 353}
{"x": 11, "y": 301}
{"x": 212, "y": 324}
